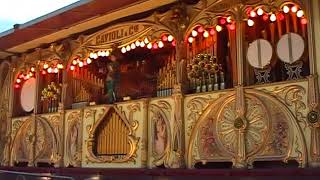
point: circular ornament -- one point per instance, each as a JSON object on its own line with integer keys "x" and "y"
{"x": 27, "y": 95}
{"x": 259, "y": 53}
{"x": 313, "y": 117}
{"x": 290, "y": 48}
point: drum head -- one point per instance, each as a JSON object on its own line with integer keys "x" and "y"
{"x": 259, "y": 53}
{"x": 27, "y": 95}
{"x": 290, "y": 48}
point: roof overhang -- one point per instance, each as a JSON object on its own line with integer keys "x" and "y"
{"x": 73, "y": 19}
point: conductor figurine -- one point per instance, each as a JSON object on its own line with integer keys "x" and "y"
{"x": 111, "y": 79}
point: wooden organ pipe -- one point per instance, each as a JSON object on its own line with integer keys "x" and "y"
{"x": 112, "y": 139}
{"x": 84, "y": 81}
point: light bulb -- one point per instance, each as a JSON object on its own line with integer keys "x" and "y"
{"x": 205, "y": 34}
{"x": 128, "y": 48}
{"x": 55, "y": 70}
{"x": 49, "y": 70}
{"x": 286, "y": 9}
{"x": 190, "y": 39}
{"x": 170, "y": 38}
{"x": 45, "y": 66}
{"x": 137, "y": 43}
{"x": 89, "y": 61}
{"x": 294, "y": 9}
{"x": 194, "y": 33}
{"x": 103, "y": 53}
{"x": 72, "y": 68}
{"x": 80, "y": 64}
{"x": 300, "y": 13}
{"x": 273, "y": 18}
{"x": 149, "y": 46}
{"x": 146, "y": 40}
{"x": 107, "y": 53}
{"x": 32, "y": 69}
{"x": 250, "y": 22}
{"x": 253, "y": 14}
{"x": 18, "y": 80}
{"x": 229, "y": 19}
{"x": 133, "y": 46}
{"x": 218, "y": 28}
{"x": 160, "y": 44}
{"x": 142, "y": 44}
{"x": 123, "y": 50}
{"x": 91, "y": 55}
{"x": 259, "y": 11}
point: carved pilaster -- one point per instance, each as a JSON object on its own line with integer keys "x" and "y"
{"x": 240, "y": 125}
{"x": 313, "y": 120}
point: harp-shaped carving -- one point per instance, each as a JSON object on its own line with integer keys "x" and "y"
{"x": 112, "y": 138}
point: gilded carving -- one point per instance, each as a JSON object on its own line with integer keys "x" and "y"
{"x": 73, "y": 139}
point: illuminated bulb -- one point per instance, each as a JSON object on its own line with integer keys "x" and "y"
{"x": 205, "y": 34}
{"x": 27, "y": 77}
{"x": 32, "y": 69}
{"x": 273, "y": 18}
{"x": 103, "y": 54}
{"x": 128, "y": 48}
{"x": 91, "y": 55}
{"x": 190, "y": 39}
{"x": 218, "y": 28}
{"x": 200, "y": 29}
{"x": 229, "y": 19}
{"x": 300, "y": 13}
{"x": 45, "y": 66}
{"x": 55, "y": 70}
{"x": 222, "y": 21}
{"x": 95, "y": 56}
{"x": 89, "y": 61}
{"x": 160, "y": 44}
{"x": 18, "y": 80}
{"x": 137, "y": 43}
{"x": 107, "y": 53}
{"x": 170, "y": 38}
{"x": 232, "y": 27}
{"x": 259, "y": 11}
{"x": 265, "y": 17}
{"x": 49, "y": 70}
{"x": 74, "y": 62}
{"x": 80, "y": 64}
{"x": 303, "y": 21}
{"x": 17, "y": 86}
{"x": 21, "y": 76}
{"x": 194, "y": 33}
{"x": 155, "y": 46}
{"x": 250, "y": 22}
{"x": 30, "y": 74}
{"x": 99, "y": 53}
{"x": 294, "y": 9}
{"x": 173, "y": 43}
{"x": 149, "y": 46}
{"x": 43, "y": 72}
{"x": 146, "y": 40}
{"x": 212, "y": 32}
{"x": 253, "y": 14}
{"x": 142, "y": 44}
{"x": 60, "y": 66}
{"x": 72, "y": 68}
{"x": 133, "y": 46}
{"x": 164, "y": 38}
{"x": 286, "y": 9}
{"x": 123, "y": 50}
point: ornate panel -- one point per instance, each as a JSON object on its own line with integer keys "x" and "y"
{"x": 73, "y": 138}
{"x": 166, "y": 143}
{"x": 132, "y": 116}
{"x": 49, "y": 139}
{"x": 271, "y": 129}
{"x": 22, "y": 137}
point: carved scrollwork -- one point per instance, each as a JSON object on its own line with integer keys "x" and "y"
{"x": 73, "y": 139}
{"x": 161, "y": 132}
{"x": 292, "y": 96}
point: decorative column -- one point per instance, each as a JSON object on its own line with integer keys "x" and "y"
{"x": 240, "y": 123}
{"x": 312, "y": 8}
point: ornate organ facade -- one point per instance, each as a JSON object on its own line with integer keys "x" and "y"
{"x": 214, "y": 83}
